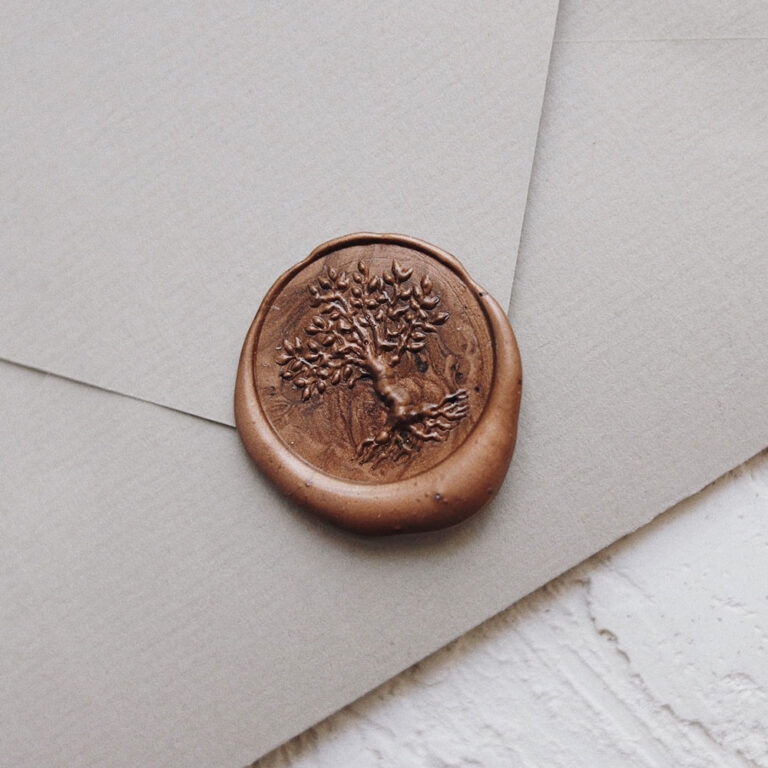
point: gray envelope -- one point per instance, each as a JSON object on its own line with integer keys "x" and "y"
{"x": 159, "y": 168}
{"x": 160, "y": 604}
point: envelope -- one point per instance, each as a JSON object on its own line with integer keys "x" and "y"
{"x": 159, "y": 169}
{"x": 157, "y": 593}
{"x": 162, "y": 168}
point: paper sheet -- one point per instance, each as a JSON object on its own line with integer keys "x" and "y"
{"x": 160, "y": 168}
{"x": 161, "y": 605}
{"x": 661, "y": 21}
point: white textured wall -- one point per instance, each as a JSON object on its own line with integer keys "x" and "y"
{"x": 654, "y": 653}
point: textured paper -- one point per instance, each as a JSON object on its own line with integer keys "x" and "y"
{"x": 661, "y": 21}
{"x": 161, "y": 605}
{"x": 161, "y": 166}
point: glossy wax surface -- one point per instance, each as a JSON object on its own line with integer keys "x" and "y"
{"x": 379, "y": 386}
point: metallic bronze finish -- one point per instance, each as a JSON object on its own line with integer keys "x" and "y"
{"x": 379, "y": 386}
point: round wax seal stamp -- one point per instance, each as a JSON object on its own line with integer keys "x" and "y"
{"x": 379, "y": 386}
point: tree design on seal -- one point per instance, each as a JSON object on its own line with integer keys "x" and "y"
{"x": 365, "y": 325}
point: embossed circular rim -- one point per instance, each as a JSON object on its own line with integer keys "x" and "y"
{"x": 443, "y": 495}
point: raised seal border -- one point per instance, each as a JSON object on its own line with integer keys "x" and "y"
{"x": 443, "y": 495}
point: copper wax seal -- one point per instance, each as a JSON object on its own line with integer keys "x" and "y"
{"x": 379, "y": 386}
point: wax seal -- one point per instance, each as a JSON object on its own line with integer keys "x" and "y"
{"x": 379, "y": 386}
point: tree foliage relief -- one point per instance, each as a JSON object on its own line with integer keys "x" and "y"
{"x": 364, "y": 327}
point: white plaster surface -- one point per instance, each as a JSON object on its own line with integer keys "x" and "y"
{"x": 654, "y": 653}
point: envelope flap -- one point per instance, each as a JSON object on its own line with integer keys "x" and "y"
{"x": 161, "y": 168}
